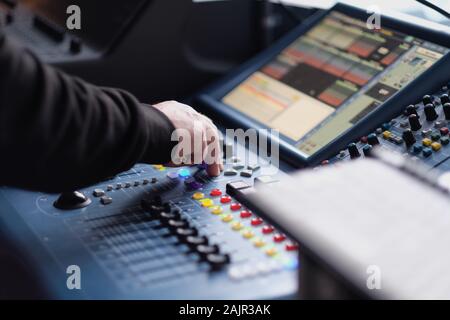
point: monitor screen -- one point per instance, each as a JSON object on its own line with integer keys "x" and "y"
{"x": 101, "y": 20}
{"x": 328, "y": 79}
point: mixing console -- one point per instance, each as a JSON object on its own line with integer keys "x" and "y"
{"x": 157, "y": 232}
{"x": 421, "y": 131}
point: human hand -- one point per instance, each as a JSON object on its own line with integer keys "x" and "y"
{"x": 198, "y": 137}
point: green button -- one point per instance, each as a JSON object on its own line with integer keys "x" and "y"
{"x": 435, "y": 136}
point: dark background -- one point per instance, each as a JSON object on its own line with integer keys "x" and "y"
{"x": 175, "y": 48}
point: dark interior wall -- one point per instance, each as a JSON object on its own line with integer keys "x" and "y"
{"x": 176, "y": 46}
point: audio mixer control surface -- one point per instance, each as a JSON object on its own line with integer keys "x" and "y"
{"x": 157, "y": 232}
{"x": 421, "y": 131}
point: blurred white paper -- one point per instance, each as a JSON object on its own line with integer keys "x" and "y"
{"x": 366, "y": 213}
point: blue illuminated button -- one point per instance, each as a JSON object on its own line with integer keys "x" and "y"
{"x": 427, "y": 152}
{"x": 291, "y": 264}
{"x": 417, "y": 148}
{"x": 184, "y": 173}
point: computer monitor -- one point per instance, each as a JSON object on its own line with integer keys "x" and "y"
{"x": 324, "y": 79}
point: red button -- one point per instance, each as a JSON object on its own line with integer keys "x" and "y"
{"x": 325, "y": 162}
{"x": 257, "y": 221}
{"x": 363, "y": 139}
{"x": 235, "y": 206}
{"x": 444, "y": 131}
{"x": 268, "y": 229}
{"x": 246, "y": 214}
{"x": 291, "y": 247}
{"x": 215, "y": 193}
{"x": 225, "y": 199}
{"x": 279, "y": 238}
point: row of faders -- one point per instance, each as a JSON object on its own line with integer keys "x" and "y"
{"x": 421, "y": 131}
{"x": 208, "y": 239}
{"x": 202, "y": 229}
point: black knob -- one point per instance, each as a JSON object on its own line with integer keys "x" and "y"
{"x": 408, "y": 137}
{"x": 204, "y": 250}
{"x": 445, "y": 99}
{"x": 176, "y": 223}
{"x": 72, "y": 200}
{"x": 75, "y": 45}
{"x": 367, "y": 149}
{"x": 446, "y": 108}
{"x": 152, "y": 207}
{"x": 217, "y": 261}
{"x": 157, "y": 200}
{"x": 414, "y": 122}
{"x": 372, "y": 139}
{"x": 427, "y": 100}
{"x": 430, "y": 112}
{"x": 353, "y": 151}
{"x": 169, "y": 215}
{"x": 411, "y": 109}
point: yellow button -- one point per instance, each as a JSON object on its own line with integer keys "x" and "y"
{"x": 248, "y": 234}
{"x": 159, "y": 167}
{"x": 271, "y": 252}
{"x": 227, "y": 218}
{"x": 236, "y": 226}
{"x": 206, "y": 202}
{"x": 198, "y": 196}
{"x": 436, "y": 146}
{"x": 259, "y": 243}
{"x": 426, "y": 142}
{"x": 216, "y": 209}
{"x": 387, "y": 134}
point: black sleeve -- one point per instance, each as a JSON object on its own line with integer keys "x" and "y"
{"x": 58, "y": 133}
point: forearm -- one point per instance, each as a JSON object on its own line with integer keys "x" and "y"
{"x": 58, "y": 132}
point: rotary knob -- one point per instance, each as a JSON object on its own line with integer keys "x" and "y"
{"x": 414, "y": 122}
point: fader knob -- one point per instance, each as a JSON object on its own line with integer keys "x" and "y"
{"x": 353, "y": 150}
{"x": 414, "y": 122}
{"x": 217, "y": 261}
{"x": 72, "y": 200}
{"x": 372, "y": 139}
{"x": 446, "y": 108}
{"x": 193, "y": 241}
{"x": 427, "y": 100}
{"x": 445, "y": 99}
{"x": 408, "y": 137}
{"x": 430, "y": 112}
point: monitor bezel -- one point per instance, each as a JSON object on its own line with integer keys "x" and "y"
{"x": 210, "y": 99}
